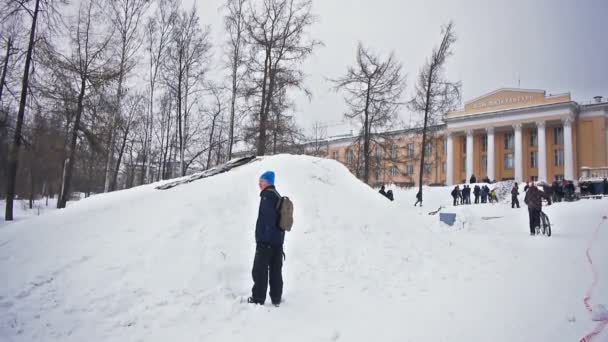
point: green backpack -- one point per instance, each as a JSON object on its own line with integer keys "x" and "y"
{"x": 285, "y": 209}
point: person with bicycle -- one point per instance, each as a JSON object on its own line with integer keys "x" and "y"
{"x": 534, "y": 201}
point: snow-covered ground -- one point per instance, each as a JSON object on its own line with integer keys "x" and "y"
{"x": 21, "y": 209}
{"x": 151, "y": 265}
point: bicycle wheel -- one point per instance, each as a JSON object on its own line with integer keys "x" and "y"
{"x": 546, "y": 224}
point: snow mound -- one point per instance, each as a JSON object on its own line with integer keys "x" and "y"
{"x": 157, "y": 265}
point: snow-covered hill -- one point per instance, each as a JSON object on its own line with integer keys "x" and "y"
{"x": 152, "y": 265}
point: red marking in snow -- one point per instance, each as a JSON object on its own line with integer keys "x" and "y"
{"x": 598, "y": 329}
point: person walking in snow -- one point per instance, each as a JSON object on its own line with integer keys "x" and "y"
{"x": 382, "y": 192}
{"x": 605, "y": 186}
{"x": 477, "y": 192}
{"x": 534, "y": 201}
{"x": 473, "y": 179}
{"x": 269, "y": 238}
{"x": 455, "y": 195}
{"x": 389, "y": 195}
{"x": 484, "y": 194}
{"x": 514, "y": 194}
{"x": 418, "y": 198}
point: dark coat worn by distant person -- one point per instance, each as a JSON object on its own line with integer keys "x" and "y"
{"x": 477, "y": 192}
{"x": 514, "y": 194}
{"x": 473, "y": 179}
{"x": 418, "y": 198}
{"x": 534, "y": 201}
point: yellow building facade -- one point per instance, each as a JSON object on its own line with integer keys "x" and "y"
{"x": 520, "y": 134}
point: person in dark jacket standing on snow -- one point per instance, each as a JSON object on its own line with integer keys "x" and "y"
{"x": 269, "y": 238}
{"x": 455, "y": 195}
{"x": 514, "y": 194}
{"x": 476, "y": 192}
{"x": 534, "y": 200}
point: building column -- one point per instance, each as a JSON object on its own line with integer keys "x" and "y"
{"x": 470, "y": 156}
{"x": 490, "y": 154}
{"x": 519, "y": 161}
{"x": 542, "y": 151}
{"x": 568, "y": 150}
{"x": 449, "y": 180}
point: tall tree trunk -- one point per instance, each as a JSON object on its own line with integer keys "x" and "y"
{"x": 366, "y": 135}
{"x": 120, "y": 154}
{"x": 211, "y": 142}
{"x": 9, "y": 46}
{"x": 180, "y": 121}
{"x": 13, "y": 162}
{"x": 72, "y": 154}
{"x": 261, "y": 150}
{"x": 119, "y": 94}
{"x": 424, "y": 128}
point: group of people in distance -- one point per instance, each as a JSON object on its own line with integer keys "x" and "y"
{"x": 482, "y": 194}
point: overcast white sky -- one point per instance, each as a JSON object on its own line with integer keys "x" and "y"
{"x": 556, "y": 45}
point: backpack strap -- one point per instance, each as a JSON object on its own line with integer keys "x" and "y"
{"x": 274, "y": 191}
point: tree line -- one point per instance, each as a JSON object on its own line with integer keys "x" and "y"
{"x": 120, "y": 92}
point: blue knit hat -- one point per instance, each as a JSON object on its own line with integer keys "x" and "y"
{"x": 268, "y": 176}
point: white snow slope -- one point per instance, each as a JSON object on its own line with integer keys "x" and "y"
{"x": 174, "y": 265}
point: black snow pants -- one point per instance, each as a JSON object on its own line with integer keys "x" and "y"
{"x": 514, "y": 201}
{"x": 267, "y": 268}
{"x": 534, "y": 219}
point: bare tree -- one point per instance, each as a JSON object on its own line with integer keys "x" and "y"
{"x": 279, "y": 42}
{"x": 125, "y": 16}
{"x": 184, "y": 72}
{"x": 11, "y": 7}
{"x": 373, "y": 90}
{"x": 89, "y": 63}
{"x": 434, "y": 95}
{"x": 135, "y": 109}
{"x": 318, "y": 140}
{"x": 158, "y": 35}
{"x": 235, "y": 25}
{"x": 215, "y": 114}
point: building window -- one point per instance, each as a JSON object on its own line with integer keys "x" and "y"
{"x": 559, "y": 157}
{"x": 445, "y": 145}
{"x": 394, "y": 171}
{"x": 464, "y": 163}
{"x": 409, "y": 169}
{"x": 350, "y": 157}
{"x": 534, "y": 178}
{"x": 444, "y": 167}
{"x": 558, "y": 135}
{"x": 533, "y": 159}
{"x": 533, "y": 139}
{"x": 336, "y": 155}
{"x": 378, "y": 173}
{"x": 559, "y": 178}
{"x": 428, "y": 168}
{"x": 394, "y": 152}
{"x": 410, "y": 150}
{"x": 428, "y": 149}
{"x": 484, "y": 162}
{"x": 378, "y": 152}
{"x": 484, "y": 143}
{"x": 509, "y": 141}
{"x": 509, "y": 161}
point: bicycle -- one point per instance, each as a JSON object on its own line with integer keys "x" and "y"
{"x": 545, "y": 225}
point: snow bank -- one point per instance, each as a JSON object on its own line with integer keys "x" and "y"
{"x": 151, "y": 265}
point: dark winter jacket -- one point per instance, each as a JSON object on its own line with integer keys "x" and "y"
{"x": 476, "y": 190}
{"x": 514, "y": 191}
{"x": 267, "y": 230}
{"x": 534, "y": 198}
{"x": 473, "y": 179}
